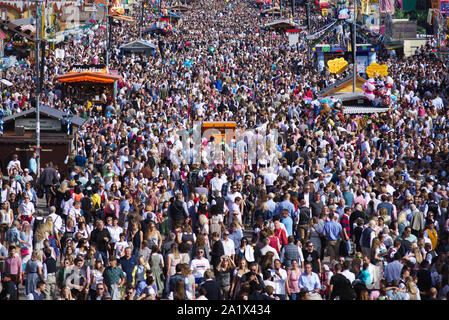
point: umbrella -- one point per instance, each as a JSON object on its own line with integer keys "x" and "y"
{"x": 6, "y": 82}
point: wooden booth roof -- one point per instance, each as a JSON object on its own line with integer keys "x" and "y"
{"x": 86, "y": 76}
{"x": 49, "y": 112}
{"x": 343, "y": 86}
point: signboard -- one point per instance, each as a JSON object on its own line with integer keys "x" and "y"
{"x": 444, "y": 6}
{"x": 45, "y": 124}
{"x": 89, "y": 68}
{"x": 362, "y": 63}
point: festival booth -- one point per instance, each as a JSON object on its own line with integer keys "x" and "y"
{"x": 88, "y": 82}
{"x": 179, "y": 8}
{"x": 222, "y": 129}
{"x": 330, "y": 42}
{"x": 174, "y": 18}
{"x": 138, "y": 46}
{"x": 282, "y": 25}
{"x": 275, "y": 11}
{"x": 58, "y": 132}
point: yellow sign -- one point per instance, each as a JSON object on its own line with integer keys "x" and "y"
{"x": 375, "y": 69}
{"x": 324, "y": 12}
{"x": 337, "y": 65}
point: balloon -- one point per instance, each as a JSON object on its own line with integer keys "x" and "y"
{"x": 370, "y": 96}
{"x": 390, "y": 80}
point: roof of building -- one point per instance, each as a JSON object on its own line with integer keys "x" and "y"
{"x": 49, "y": 112}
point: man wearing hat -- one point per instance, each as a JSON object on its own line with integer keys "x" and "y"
{"x": 114, "y": 278}
{"x": 9, "y": 291}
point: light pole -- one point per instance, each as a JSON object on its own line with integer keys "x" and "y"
{"x": 106, "y": 16}
{"x": 141, "y": 18}
{"x": 354, "y": 47}
{"x": 38, "y": 82}
{"x": 308, "y": 16}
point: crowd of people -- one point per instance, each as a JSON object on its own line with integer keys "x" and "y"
{"x": 356, "y": 212}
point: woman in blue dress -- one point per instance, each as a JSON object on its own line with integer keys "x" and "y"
{"x": 33, "y": 272}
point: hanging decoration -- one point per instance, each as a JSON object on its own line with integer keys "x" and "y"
{"x": 338, "y": 65}
{"x": 375, "y": 69}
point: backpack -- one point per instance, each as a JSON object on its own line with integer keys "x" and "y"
{"x": 348, "y": 291}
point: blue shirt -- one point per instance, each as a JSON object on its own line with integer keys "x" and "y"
{"x": 286, "y": 204}
{"x": 311, "y": 282}
{"x": 128, "y": 267}
{"x": 349, "y": 198}
{"x": 288, "y": 223}
{"x": 332, "y": 229}
{"x": 236, "y": 237}
{"x": 271, "y": 205}
{"x": 124, "y": 206}
{"x": 393, "y": 271}
{"x": 33, "y": 165}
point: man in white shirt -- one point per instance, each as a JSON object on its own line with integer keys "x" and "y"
{"x": 115, "y": 230}
{"x": 199, "y": 265}
{"x": 279, "y": 279}
{"x": 216, "y": 183}
{"x": 347, "y": 273}
{"x": 26, "y": 209}
{"x": 57, "y": 220}
{"x": 228, "y": 245}
{"x": 267, "y": 248}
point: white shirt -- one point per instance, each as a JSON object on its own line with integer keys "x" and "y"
{"x": 57, "y": 221}
{"x": 349, "y": 275}
{"x": 115, "y": 233}
{"x": 228, "y": 246}
{"x": 216, "y": 184}
{"x": 199, "y": 266}
{"x": 27, "y": 209}
{"x": 279, "y": 282}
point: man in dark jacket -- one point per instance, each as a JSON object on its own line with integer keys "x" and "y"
{"x": 100, "y": 236}
{"x": 177, "y": 211}
{"x": 212, "y": 287}
{"x": 217, "y": 250}
{"x": 48, "y": 177}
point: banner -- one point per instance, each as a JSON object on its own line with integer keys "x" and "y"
{"x": 387, "y": 6}
{"x": 444, "y": 6}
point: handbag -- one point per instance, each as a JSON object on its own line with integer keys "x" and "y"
{"x": 24, "y": 251}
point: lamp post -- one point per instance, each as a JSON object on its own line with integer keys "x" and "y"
{"x": 38, "y": 82}
{"x": 354, "y": 47}
{"x": 106, "y": 16}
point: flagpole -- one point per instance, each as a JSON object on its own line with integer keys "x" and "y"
{"x": 354, "y": 47}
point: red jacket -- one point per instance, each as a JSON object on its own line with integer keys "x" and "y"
{"x": 281, "y": 235}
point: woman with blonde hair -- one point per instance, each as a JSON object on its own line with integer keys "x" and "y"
{"x": 66, "y": 294}
{"x": 53, "y": 236}
{"x": 40, "y": 236}
{"x": 402, "y": 221}
{"x": 33, "y": 272}
{"x": 412, "y": 289}
{"x": 6, "y": 220}
{"x": 241, "y": 269}
{"x": 140, "y": 274}
{"x": 153, "y": 236}
{"x": 26, "y": 242}
{"x": 173, "y": 258}
{"x": 203, "y": 225}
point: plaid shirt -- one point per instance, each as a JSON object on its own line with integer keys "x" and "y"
{"x": 113, "y": 275}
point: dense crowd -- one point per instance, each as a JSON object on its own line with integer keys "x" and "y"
{"x": 357, "y": 210}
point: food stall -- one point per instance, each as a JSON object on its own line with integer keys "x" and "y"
{"x": 88, "y": 83}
